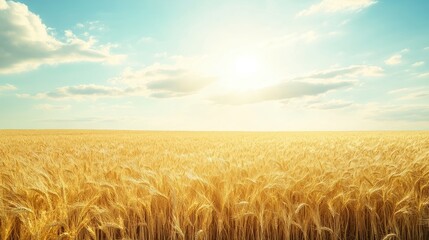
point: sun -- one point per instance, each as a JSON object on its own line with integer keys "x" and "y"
{"x": 246, "y": 66}
{"x": 242, "y": 72}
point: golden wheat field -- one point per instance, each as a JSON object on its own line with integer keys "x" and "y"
{"x": 196, "y": 185}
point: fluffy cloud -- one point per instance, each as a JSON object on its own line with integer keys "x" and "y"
{"x": 3, "y": 4}
{"x": 331, "y": 6}
{"x": 7, "y": 87}
{"x": 165, "y": 80}
{"x": 309, "y": 85}
{"x": 158, "y": 81}
{"x": 394, "y": 59}
{"x": 26, "y": 43}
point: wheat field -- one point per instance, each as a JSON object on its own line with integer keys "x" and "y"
{"x": 201, "y": 185}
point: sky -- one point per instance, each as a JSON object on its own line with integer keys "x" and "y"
{"x": 241, "y": 65}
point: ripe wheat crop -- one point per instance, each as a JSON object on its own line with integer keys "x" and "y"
{"x": 183, "y": 185}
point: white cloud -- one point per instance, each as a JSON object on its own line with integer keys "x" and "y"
{"x": 423, "y": 75}
{"x": 351, "y": 72}
{"x": 92, "y": 26}
{"x": 305, "y": 37}
{"x": 405, "y": 50}
{"x": 329, "y": 105}
{"x": 394, "y": 59}
{"x": 7, "y": 87}
{"x": 282, "y": 91}
{"x": 331, "y": 6}
{"x": 73, "y": 120}
{"x": 97, "y": 122}
{"x": 110, "y": 107}
{"x": 158, "y": 81}
{"x": 165, "y": 80}
{"x": 26, "y": 42}
{"x": 85, "y": 91}
{"x": 49, "y": 107}
{"x": 160, "y": 55}
{"x": 402, "y": 113}
{"x": 418, "y": 64}
{"x": 3, "y": 4}
{"x": 411, "y": 93}
{"x": 309, "y": 85}
{"x": 177, "y": 79}
{"x": 146, "y": 40}
{"x": 308, "y": 36}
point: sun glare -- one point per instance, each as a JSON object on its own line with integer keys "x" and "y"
{"x": 245, "y": 66}
{"x": 242, "y": 72}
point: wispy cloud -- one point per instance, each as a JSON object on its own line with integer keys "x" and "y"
{"x": 331, "y": 6}
{"x": 298, "y": 38}
{"x": 26, "y": 42}
{"x": 329, "y": 105}
{"x": 92, "y": 26}
{"x": 406, "y": 113}
{"x": 353, "y": 71}
{"x": 110, "y": 107}
{"x": 158, "y": 81}
{"x": 282, "y": 91}
{"x": 7, "y": 87}
{"x": 50, "y": 107}
{"x": 292, "y": 38}
{"x": 146, "y": 39}
{"x": 411, "y": 93}
{"x": 309, "y": 85}
{"x": 423, "y": 75}
{"x": 72, "y": 120}
{"x": 163, "y": 81}
{"x": 85, "y": 91}
{"x": 394, "y": 59}
{"x": 418, "y": 64}
{"x": 94, "y": 120}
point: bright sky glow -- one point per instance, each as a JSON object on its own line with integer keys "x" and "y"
{"x": 215, "y": 65}
{"x": 246, "y": 66}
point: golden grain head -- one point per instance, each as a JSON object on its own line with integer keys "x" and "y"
{"x": 168, "y": 185}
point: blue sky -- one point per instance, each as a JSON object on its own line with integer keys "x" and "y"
{"x": 215, "y": 65}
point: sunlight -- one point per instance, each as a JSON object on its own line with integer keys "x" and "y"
{"x": 246, "y": 65}
{"x": 242, "y": 72}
